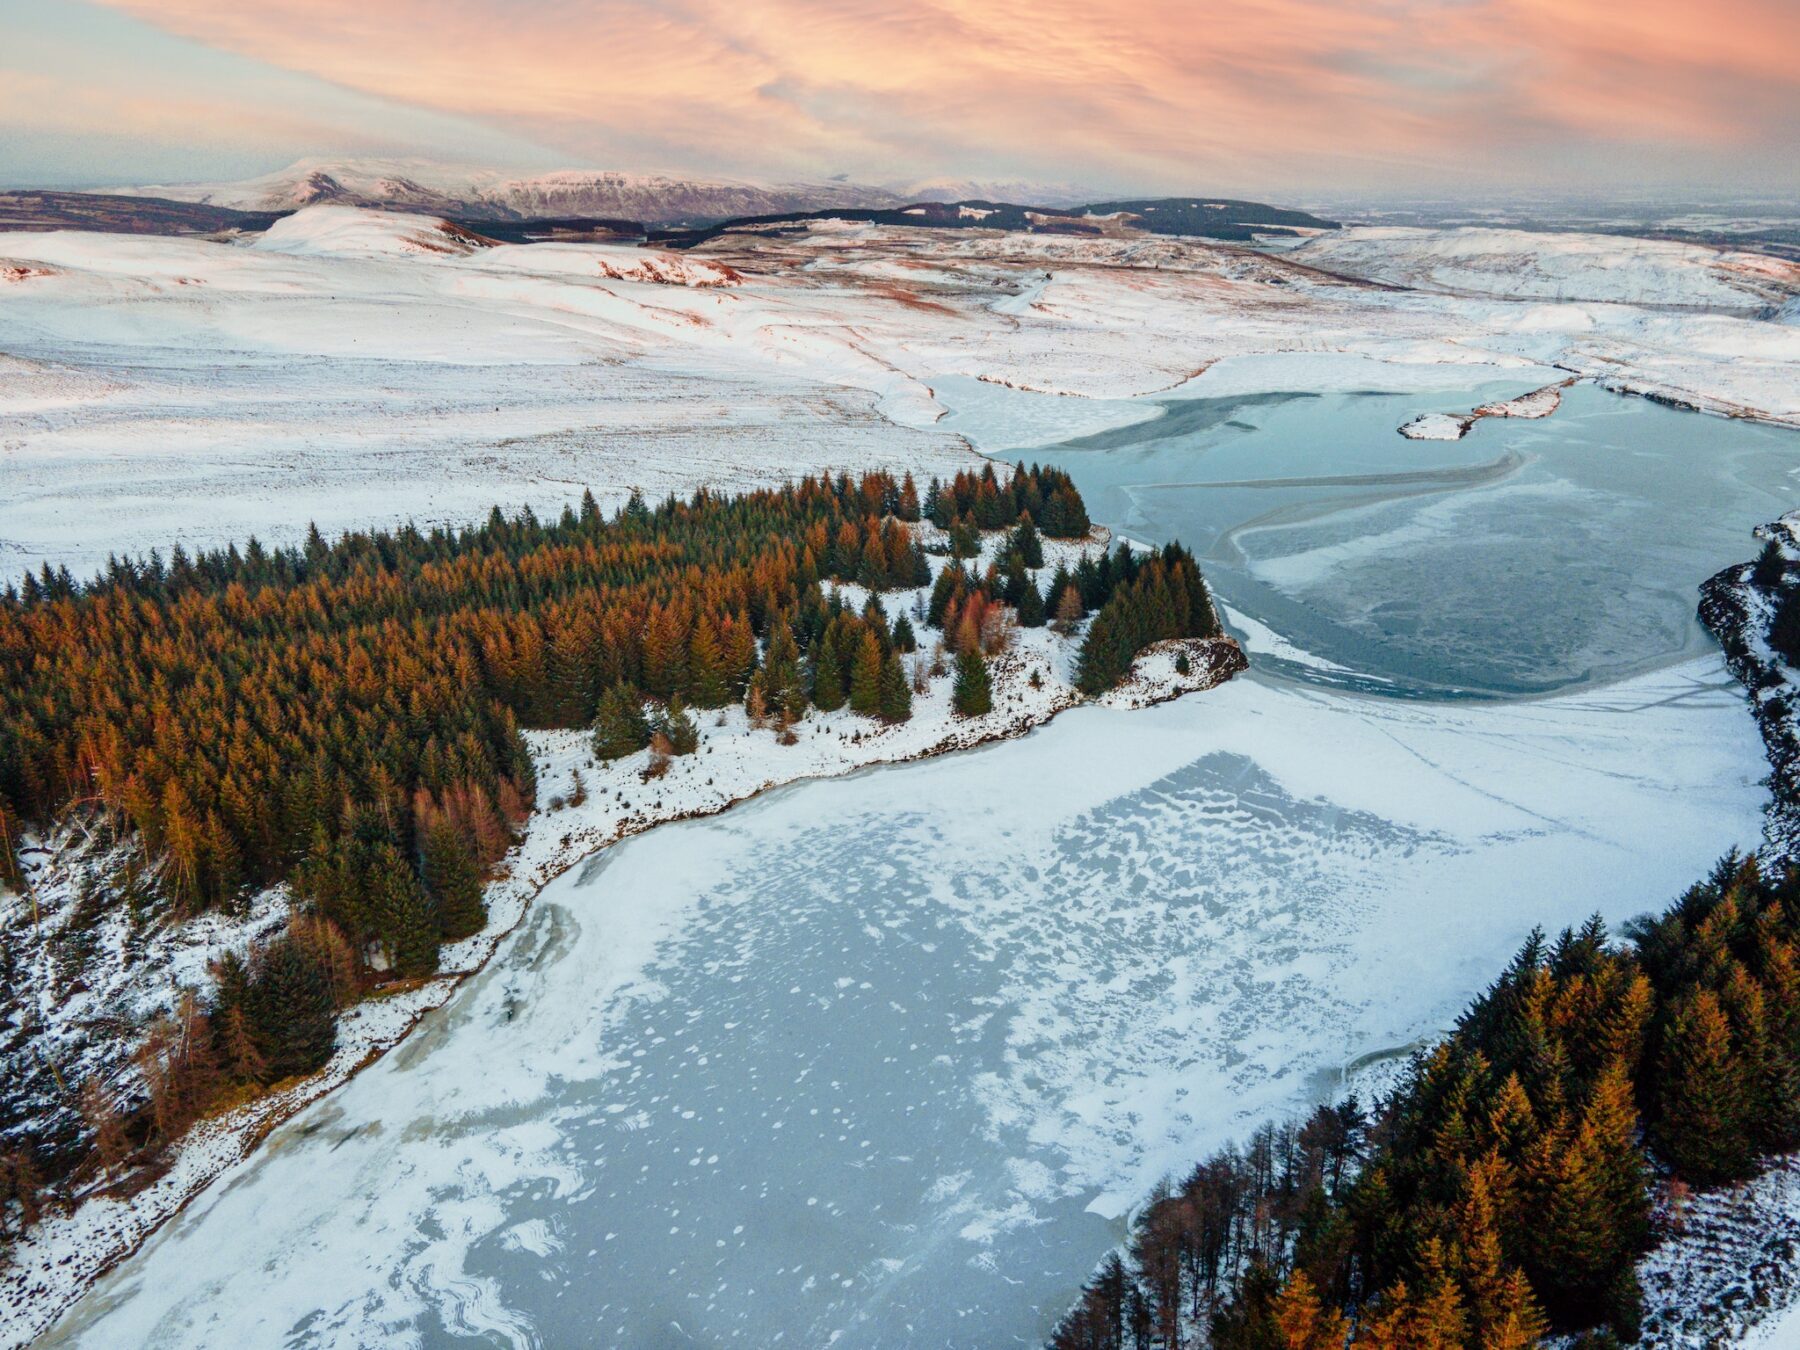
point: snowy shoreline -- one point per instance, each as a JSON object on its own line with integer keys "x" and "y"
{"x": 58, "y": 1261}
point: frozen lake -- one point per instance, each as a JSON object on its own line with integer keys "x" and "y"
{"x": 882, "y": 1061}
{"x": 1527, "y": 557}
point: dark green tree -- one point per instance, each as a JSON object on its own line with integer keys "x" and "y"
{"x": 620, "y": 726}
{"x": 896, "y": 692}
{"x": 292, "y": 1018}
{"x": 452, "y": 875}
{"x": 972, "y": 695}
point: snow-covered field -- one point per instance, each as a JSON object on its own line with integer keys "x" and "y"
{"x": 1519, "y": 264}
{"x": 352, "y": 367}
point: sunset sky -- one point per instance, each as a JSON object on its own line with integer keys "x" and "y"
{"x": 1253, "y": 96}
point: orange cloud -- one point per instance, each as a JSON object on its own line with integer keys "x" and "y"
{"x": 1162, "y": 92}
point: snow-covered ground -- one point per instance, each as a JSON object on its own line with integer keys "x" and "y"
{"x": 352, "y": 367}
{"x": 1520, "y": 264}
{"x": 1731, "y": 1272}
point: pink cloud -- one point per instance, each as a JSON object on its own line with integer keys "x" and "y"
{"x": 1158, "y": 91}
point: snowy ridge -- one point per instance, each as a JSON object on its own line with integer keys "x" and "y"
{"x": 468, "y": 190}
{"x": 350, "y": 232}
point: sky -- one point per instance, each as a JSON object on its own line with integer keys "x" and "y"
{"x": 1259, "y": 97}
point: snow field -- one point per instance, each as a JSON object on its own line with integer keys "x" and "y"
{"x": 356, "y": 367}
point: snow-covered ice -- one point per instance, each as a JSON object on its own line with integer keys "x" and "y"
{"x": 894, "y": 1040}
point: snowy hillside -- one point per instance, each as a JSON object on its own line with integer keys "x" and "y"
{"x": 1518, "y": 264}
{"x": 349, "y": 232}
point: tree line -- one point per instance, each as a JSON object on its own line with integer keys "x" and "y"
{"x": 1503, "y": 1191}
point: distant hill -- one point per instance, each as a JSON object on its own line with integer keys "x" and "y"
{"x": 478, "y": 194}
{"x": 117, "y": 212}
{"x": 1202, "y": 217}
{"x": 112, "y": 214}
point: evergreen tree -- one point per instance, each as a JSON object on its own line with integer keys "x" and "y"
{"x": 827, "y": 678}
{"x": 972, "y": 695}
{"x": 965, "y": 539}
{"x": 865, "y": 677}
{"x": 1784, "y": 631}
{"x": 1025, "y": 542}
{"x": 1031, "y": 608}
{"x": 291, "y": 1012}
{"x": 406, "y": 921}
{"x": 905, "y": 640}
{"x": 620, "y": 726}
{"x": 453, "y": 877}
{"x": 1700, "y": 1118}
{"x": 782, "y": 685}
{"x": 1770, "y": 567}
{"x": 679, "y": 729}
{"x": 896, "y": 692}
{"x": 707, "y": 676}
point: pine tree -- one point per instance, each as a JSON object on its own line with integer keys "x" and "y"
{"x": 620, "y": 727}
{"x": 828, "y": 678}
{"x": 1770, "y": 567}
{"x": 1031, "y": 607}
{"x": 938, "y": 509}
{"x": 1784, "y": 630}
{"x": 905, "y": 640}
{"x": 707, "y": 676}
{"x": 683, "y": 736}
{"x": 450, "y": 872}
{"x": 965, "y": 539}
{"x": 865, "y": 677}
{"x": 908, "y": 509}
{"x": 292, "y": 1016}
{"x": 972, "y": 695}
{"x": 1302, "y": 1322}
{"x": 1025, "y": 542}
{"x": 1700, "y": 1126}
{"x": 782, "y": 685}
{"x": 406, "y": 921}
{"x": 896, "y": 693}
{"x": 1069, "y": 609}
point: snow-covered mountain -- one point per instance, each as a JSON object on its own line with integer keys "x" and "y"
{"x": 997, "y": 190}
{"x": 473, "y": 192}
